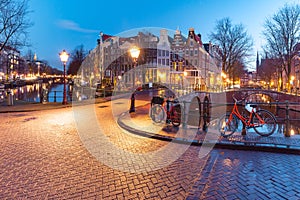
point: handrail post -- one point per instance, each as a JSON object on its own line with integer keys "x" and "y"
{"x": 54, "y": 95}
{"x": 277, "y": 108}
{"x": 168, "y": 112}
{"x": 206, "y": 105}
{"x": 287, "y": 120}
{"x": 200, "y": 115}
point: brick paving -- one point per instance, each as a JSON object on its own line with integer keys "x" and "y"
{"x": 248, "y": 175}
{"x": 43, "y": 157}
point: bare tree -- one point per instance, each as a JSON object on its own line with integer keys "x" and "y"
{"x": 268, "y": 68}
{"x": 77, "y": 57}
{"x": 282, "y": 32}
{"x": 14, "y": 23}
{"x": 234, "y": 42}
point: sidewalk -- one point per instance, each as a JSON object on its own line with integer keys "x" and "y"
{"x": 24, "y": 106}
{"x": 141, "y": 124}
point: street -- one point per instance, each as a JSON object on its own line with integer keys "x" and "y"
{"x": 58, "y": 154}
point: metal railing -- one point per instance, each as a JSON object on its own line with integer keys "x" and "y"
{"x": 289, "y": 117}
{"x": 57, "y": 94}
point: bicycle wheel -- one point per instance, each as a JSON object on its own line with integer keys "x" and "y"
{"x": 264, "y": 122}
{"x": 176, "y": 116}
{"x": 157, "y": 113}
{"x": 227, "y": 125}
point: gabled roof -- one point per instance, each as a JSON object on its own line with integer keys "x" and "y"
{"x": 105, "y": 37}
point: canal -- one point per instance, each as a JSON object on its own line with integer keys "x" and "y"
{"x": 33, "y": 93}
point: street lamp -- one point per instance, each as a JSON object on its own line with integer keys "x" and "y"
{"x": 134, "y": 53}
{"x": 64, "y": 59}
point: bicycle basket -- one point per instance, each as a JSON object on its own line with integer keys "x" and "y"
{"x": 157, "y": 100}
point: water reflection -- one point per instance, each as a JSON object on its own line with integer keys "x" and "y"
{"x": 33, "y": 93}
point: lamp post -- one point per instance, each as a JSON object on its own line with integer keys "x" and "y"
{"x": 64, "y": 59}
{"x": 134, "y": 53}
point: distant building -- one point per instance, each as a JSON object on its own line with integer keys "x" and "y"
{"x": 9, "y": 63}
{"x": 270, "y": 73}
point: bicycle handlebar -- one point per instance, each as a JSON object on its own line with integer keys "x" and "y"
{"x": 237, "y": 101}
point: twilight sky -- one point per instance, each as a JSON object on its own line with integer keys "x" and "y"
{"x": 66, "y": 24}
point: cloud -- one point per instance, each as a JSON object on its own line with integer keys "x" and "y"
{"x": 71, "y": 25}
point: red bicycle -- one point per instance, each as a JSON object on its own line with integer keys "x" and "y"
{"x": 262, "y": 121}
{"x": 160, "y": 112}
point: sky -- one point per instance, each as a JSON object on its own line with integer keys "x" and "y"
{"x": 66, "y": 24}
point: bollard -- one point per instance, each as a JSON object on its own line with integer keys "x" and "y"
{"x": 287, "y": 120}
{"x": 132, "y": 107}
{"x": 10, "y": 98}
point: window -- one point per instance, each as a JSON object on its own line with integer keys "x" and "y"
{"x": 107, "y": 73}
{"x": 163, "y": 52}
{"x": 159, "y": 52}
{"x": 191, "y": 43}
{"x": 180, "y": 54}
{"x": 196, "y": 52}
{"x": 174, "y": 56}
{"x": 159, "y": 61}
{"x": 167, "y": 53}
{"x": 192, "y": 52}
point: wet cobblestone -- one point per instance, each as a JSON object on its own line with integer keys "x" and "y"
{"x": 43, "y": 157}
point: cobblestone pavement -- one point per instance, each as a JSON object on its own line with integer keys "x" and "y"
{"x": 43, "y": 157}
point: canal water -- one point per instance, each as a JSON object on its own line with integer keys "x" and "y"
{"x": 33, "y": 93}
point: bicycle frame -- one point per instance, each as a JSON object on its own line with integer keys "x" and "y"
{"x": 245, "y": 121}
{"x": 168, "y": 109}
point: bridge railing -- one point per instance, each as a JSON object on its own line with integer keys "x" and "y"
{"x": 286, "y": 113}
{"x": 54, "y": 96}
